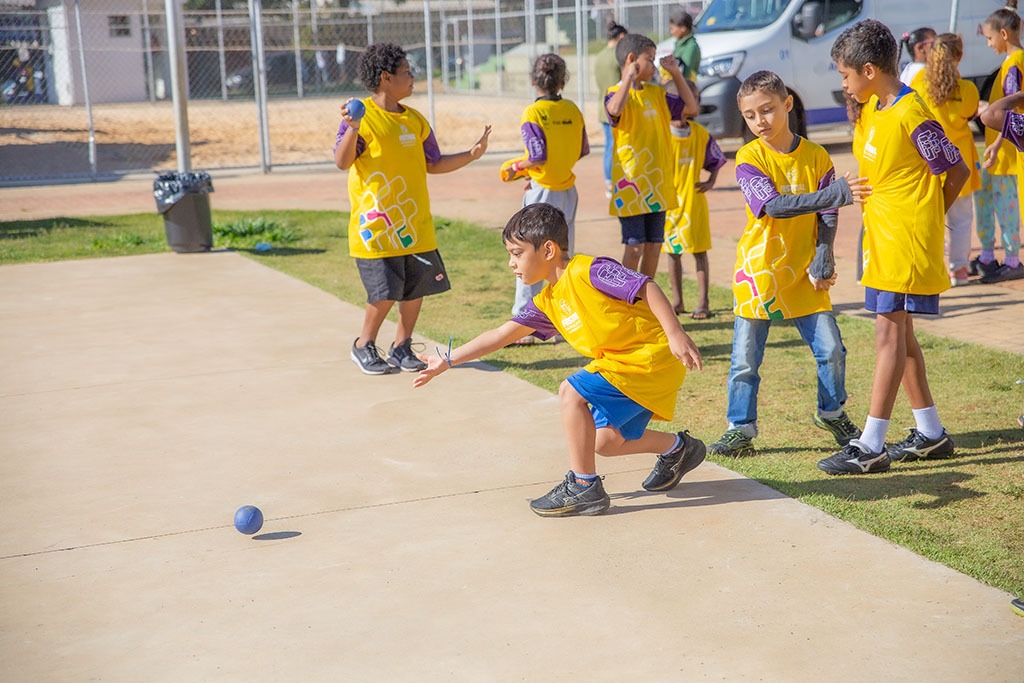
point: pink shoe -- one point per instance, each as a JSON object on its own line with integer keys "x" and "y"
{"x": 958, "y": 278}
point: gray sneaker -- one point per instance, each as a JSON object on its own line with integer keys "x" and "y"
{"x": 369, "y": 361}
{"x": 569, "y": 499}
{"x": 403, "y": 358}
{"x": 842, "y": 428}
{"x": 671, "y": 466}
{"x": 734, "y": 444}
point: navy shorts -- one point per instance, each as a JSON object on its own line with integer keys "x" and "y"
{"x": 881, "y": 301}
{"x": 403, "y": 278}
{"x": 609, "y": 406}
{"x": 647, "y": 227}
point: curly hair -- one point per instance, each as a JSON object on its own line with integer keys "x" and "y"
{"x": 377, "y": 59}
{"x": 549, "y": 74}
{"x": 1005, "y": 19}
{"x": 536, "y": 224}
{"x": 867, "y": 42}
{"x": 941, "y": 71}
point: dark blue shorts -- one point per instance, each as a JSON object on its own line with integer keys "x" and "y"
{"x": 609, "y": 406}
{"x": 880, "y": 301}
{"x": 647, "y": 227}
{"x": 403, "y": 278}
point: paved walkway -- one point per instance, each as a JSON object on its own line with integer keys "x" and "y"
{"x": 145, "y": 398}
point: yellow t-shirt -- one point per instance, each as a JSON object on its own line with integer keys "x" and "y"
{"x": 642, "y": 165}
{"x": 625, "y": 340}
{"x": 770, "y": 277}
{"x": 553, "y": 132}
{"x": 687, "y": 228}
{"x": 955, "y": 115}
{"x": 903, "y": 153}
{"x": 1009, "y": 74}
{"x": 387, "y": 185}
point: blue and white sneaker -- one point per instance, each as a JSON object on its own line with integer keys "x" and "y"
{"x": 855, "y": 458}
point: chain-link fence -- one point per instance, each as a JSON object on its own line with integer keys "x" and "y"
{"x": 86, "y": 85}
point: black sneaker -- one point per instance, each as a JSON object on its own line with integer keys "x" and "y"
{"x": 842, "y": 428}
{"x": 569, "y": 499}
{"x": 734, "y": 444}
{"x": 403, "y": 358}
{"x": 1003, "y": 273}
{"x": 855, "y": 459}
{"x": 1017, "y": 605}
{"x": 917, "y": 446}
{"x": 976, "y": 267}
{"x": 671, "y": 466}
{"x": 369, "y": 361}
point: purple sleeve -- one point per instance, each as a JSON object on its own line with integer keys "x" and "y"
{"x": 934, "y": 147}
{"x": 431, "y": 150}
{"x": 360, "y": 142}
{"x": 675, "y": 106}
{"x": 532, "y": 317}
{"x": 613, "y": 120}
{"x": 535, "y": 141}
{"x": 757, "y": 188}
{"x": 714, "y": 159}
{"x": 826, "y": 180}
{"x": 585, "y": 149}
{"x": 1011, "y": 84}
{"x": 1013, "y": 129}
{"x": 615, "y": 280}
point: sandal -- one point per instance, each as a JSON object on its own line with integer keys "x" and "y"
{"x": 702, "y": 314}
{"x": 679, "y": 310}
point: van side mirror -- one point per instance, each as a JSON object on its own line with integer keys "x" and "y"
{"x": 807, "y": 21}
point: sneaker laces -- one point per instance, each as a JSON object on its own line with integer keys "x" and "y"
{"x": 373, "y": 351}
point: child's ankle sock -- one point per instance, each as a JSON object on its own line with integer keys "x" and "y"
{"x": 675, "y": 445}
{"x": 987, "y": 256}
{"x": 873, "y": 436}
{"x": 928, "y": 422}
{"x": 1012, "y": 260}
{"x": 584, "y": 479}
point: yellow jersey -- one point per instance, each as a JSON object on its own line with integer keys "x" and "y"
{"x": 955, "y": 115}
{"x": 687, "y": 228}
{"x": 554, "y": 134}
{"x": 1007, "y": 82}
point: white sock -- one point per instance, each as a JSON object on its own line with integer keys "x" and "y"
{"x": 675, "y": 445}
{"x": 928, "y": 422}
{"x": 874, "y": 433}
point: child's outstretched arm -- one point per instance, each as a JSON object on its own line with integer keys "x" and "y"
{"x": 840, "y": 193}
{"x": 995, "y": 114}
{"x": 481, "y": 345}
{"x": 682, "y": 346}
{"x": 453, "y": 162}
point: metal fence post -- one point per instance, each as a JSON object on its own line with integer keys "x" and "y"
{"x": 148, "y": 55}
{"x": 85, "y": 90}
{"x": 429, "y": 60}
{"x": 220, "y": 53}
{"x": 499, "y": 57}
{"x": 259, "y": 80}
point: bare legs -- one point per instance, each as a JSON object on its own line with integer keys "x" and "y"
{"x": 643, "y": 258}
{"x": 898, "y": 361}
{"x": 373, "y": 318}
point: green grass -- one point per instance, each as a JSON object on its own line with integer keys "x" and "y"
{"x": 967, "y": 513}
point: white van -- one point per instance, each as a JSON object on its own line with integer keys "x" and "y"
{"x": 793, "y": 38}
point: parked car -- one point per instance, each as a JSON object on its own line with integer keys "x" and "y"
{"x": 280, "y": 68}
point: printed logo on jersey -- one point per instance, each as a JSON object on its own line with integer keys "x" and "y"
{"x": 934, "y": 144}
{"x": 870, "y": 151}
{"x": 405, "y": 137}
{"x": 758, "y": 188}
{"x": 570, "y": 319}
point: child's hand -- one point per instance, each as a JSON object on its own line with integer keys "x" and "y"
{"x": 478, "y": 149}
{"x": 706, "y": 185}
{"x": 859, "y": 188}
{"x": 822, "y": 285}
{"x": 685, "y": 350}
{"x": 630, "y": 70}
{"x": 435, "y": 366}
{"x": 992, "y": 152}
{"x": 670, "y": 64}
{"x": 352, "y": 123}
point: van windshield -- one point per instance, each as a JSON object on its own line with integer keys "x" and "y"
{"x": 739, "y": 15}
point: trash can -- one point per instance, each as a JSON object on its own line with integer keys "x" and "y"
{"x": 184, "y": 201}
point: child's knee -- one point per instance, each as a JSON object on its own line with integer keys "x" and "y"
{"x": 567, "y": 394}
{"x": 608, "y": 441}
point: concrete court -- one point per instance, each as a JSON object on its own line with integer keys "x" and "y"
{"x": 145, "y": 398}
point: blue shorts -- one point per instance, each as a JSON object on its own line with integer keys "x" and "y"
{"x": 609, "y": 406}
{"x": 647, "y": 227}
{"x": 880, "y": 301}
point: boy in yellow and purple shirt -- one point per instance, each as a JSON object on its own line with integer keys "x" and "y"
{"x": 390, "y": 149}
{"x": 916, "y": 174}
{"x": 640, "y": 113}
{"x": 625, "y": 324}
{"x": 784, "y": 261}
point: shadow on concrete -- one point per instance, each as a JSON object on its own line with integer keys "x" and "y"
{"x": 277, "y": 535}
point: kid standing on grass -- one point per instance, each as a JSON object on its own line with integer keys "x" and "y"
{"x": 642, "y": 168}
{"x": 391, "y": 232}
{"x": 555, "y": 139}
{"x": 621, "y": 320}
{"x": 915, "y": 174}
{"x": 687, "y": 227}
{"x": 999, "y": 176}
{"x": 954, "y": 102}
{"x": 784, "y": 261}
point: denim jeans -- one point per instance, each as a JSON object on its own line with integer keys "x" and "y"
{"x": 819, "y": 331}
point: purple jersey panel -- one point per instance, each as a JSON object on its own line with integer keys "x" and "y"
{"x": 758, "y": 189}
{"x": 360, "y": 142}
{"x": 431, "y": 150}
{"x": 535, "y": 141}
{"x": 675, "y": 106}
{"x": 585, "y": 149}
{"x": 534, "y": 318}
{"x": 714, "y": 159}
{"x": 934, "y": 147}
{"x": 826, "y": 180}
{"x": 614, "y": 120}
{"x": 1013, "y": 129}
{"x": 615, "y": 280}
{"x": 1011, "y": 84}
